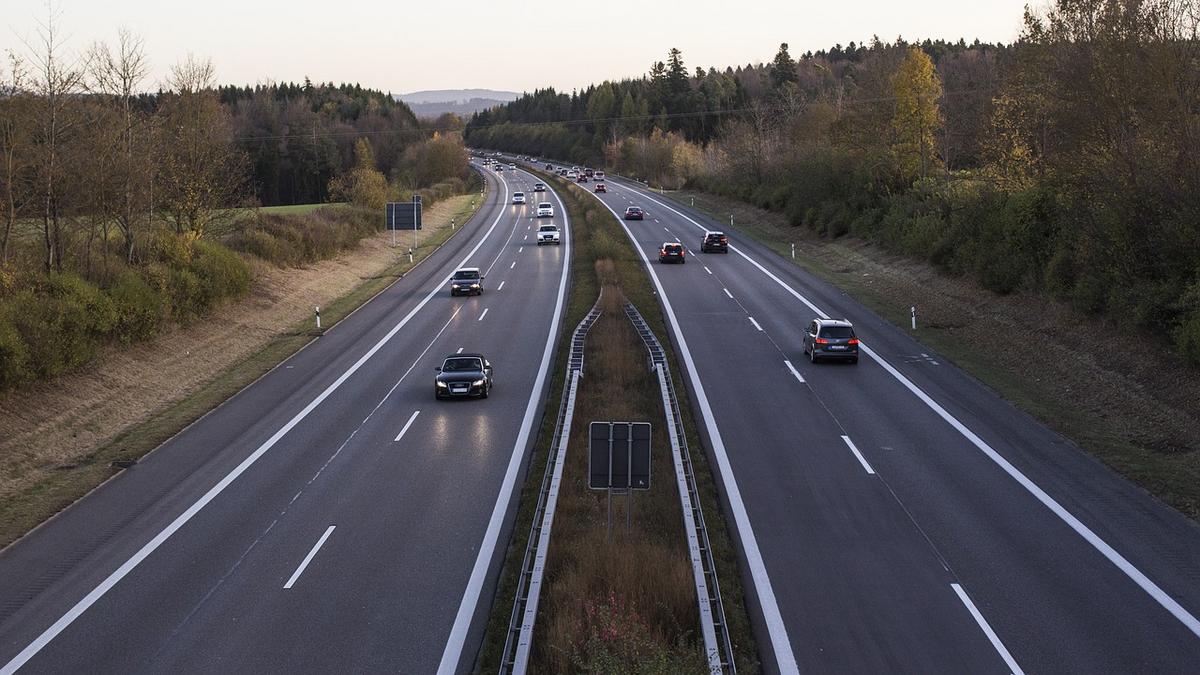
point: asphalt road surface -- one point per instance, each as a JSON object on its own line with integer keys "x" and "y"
{"x": 332, "y": 517}
{"x": 896, "y": 515}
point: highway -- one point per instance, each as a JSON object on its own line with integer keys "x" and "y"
{"x": 332, "y": 517}
{"x": 897, "y": 515}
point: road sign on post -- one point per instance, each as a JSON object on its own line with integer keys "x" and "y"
{"x": 404, "y": 215}
{"x": 619, "y": 455}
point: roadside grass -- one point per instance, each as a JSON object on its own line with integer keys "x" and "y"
{"x": 26, "y": 508}
{"x": 1067, "y": 396}
{"x": 601, "y": 586}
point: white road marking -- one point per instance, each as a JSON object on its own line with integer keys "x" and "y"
{"x": 514, "y": 264}
{"x": 308, "y": 558}
{"x": 780, "y": 644}
{"x": 707, "y": 270}
{"x": 487, "y": 548}
{"x": 666, "y": 228}
{"x": 987, "y": 630}
{"x": 861, "y": 460}
{"x": 412, "y": 419}
{"x": 1136, "y": 575}
{"x": 460, "y": 350}
{"x": 728, "y": 293}
{"x": 677, "y": 240}
{"x": 794, "y": 371}
{"x": 754, "y": 322}
{"x": 501, "y": 286}
{"x": 149, "y": 547}
{"x": 485, "y": 311}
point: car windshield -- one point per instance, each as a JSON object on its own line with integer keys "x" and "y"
{"x": 837, "y": 332}
{"x": 466, "y": 275}
{"x": 462, "y": 365}
{"x": 548, "y": 228}
{"x": 673, "y": 248}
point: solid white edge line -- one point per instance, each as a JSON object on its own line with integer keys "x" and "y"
{"x": 308, "y": 558}
{"x": 485, "y": 311}
{"x": 861, "y": 460}
{"x": 755, "y": 323}
{"x": 780, "y": 644}
{"x": 149, "y": 547}
{"x": 487, "y": 548}
{"x": 987, "y": 630}
{"x": 1149, "y": 587}
{"x": 410, "y": 420}
{"x": 794, "y": 371}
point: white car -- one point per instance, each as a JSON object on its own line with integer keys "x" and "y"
{"x": 513, "y": 167}
{"x": 548, "y": 234}
{"x": 599, "y": 175}
{"x": 539, "y": 187}
{"x": 572, "y": 175}
{"x": 518, "y": 197}
{"x": 545, "y": 210}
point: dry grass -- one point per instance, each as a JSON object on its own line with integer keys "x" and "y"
{"x": 1137, "y": 409}
{"x": 57, "y": 438}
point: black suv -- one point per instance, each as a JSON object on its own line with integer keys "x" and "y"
{"x": 463, "y": 376}
{"x": 831, "y": 339}
{"x": 714, "y": 242}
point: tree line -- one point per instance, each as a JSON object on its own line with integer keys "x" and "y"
{"x": 123, "y": 209}
{"x": 1065, "y": 163}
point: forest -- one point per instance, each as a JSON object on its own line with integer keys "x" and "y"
{"x": 1065, "y": 163}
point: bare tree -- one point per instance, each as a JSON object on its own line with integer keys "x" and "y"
{"x": 118, "y": 76}
{"x": 57, "y": 82}
{"x": 15, "y": 143}
{"x": 192, "y": 75}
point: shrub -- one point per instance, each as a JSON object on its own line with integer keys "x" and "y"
{"x": 14, "y": 356}
{"x": 1187, "y": 337}
{"x": 139, "y": 308}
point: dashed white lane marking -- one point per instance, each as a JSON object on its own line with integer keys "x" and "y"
{"x": 987, "y": 630}
{"x": 707, "y": 270}
{"x": 665, "y": 227}
{"x": 728, "y": 293}
{"x": 521, "y": 250}
{"x": 460, "y": 350}
{"x": 485, "y": 311}
{"x": 514, "y": 264}
{"x": 412, "y": 419}
{"x": 755, "y": 323}
{"x": 501, "y": 286}
{"x": 861, "y": 460}
{"x": 794, "y": 371}
{"x": 308, "y": 558}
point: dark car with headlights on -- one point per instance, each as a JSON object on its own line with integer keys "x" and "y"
{"x": 634, "y": 213}
{"x": 831, "y": 339}
{"x": 463, "y": 376}
{"x": 466, "y": 281}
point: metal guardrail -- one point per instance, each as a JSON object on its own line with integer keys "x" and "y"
{"x": 717, "y": 646}
{"x": 519, "y": 641}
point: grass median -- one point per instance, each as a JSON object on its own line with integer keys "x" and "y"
{"x": 625, "y": 605}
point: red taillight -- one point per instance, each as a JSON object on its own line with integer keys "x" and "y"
{"x": 853, "y": 341}
{"x": 821, "y": 341}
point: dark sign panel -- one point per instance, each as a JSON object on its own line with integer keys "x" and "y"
{"x": 619, "y": 455}
{"x": 404, "y": 215}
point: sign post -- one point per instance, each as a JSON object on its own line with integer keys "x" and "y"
{"x": 619, "y": 461}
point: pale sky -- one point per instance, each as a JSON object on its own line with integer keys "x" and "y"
{"x": 403, "y": 46}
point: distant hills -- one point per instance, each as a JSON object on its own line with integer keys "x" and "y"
{"x": 461, "y": 102}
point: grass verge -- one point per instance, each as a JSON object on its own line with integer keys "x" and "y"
{"x": 26, "y": 508}
{"x": 589, "y": 586}
{"x": 1134, "y": 412}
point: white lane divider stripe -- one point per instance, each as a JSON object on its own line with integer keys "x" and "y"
{"x": 707, "y": 270}
{"x": 728, "y": 293}
{"x": 501, "y": 286}
{"x": 514, "y": 264}
{"x": 521, "y": 250}
{"x": 460, "y": 350}
{"x": 411, "y": 419}
{"x": 861, "y": 460}
{"x": 485, "y": 311}
{"x": 755, "y": 323}
{"x": 987, "y": 630}
{"x": 308, "y": 558}
{"x": 794, "y": 371}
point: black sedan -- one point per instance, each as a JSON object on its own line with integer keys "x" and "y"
{"x": 463, "y": 376}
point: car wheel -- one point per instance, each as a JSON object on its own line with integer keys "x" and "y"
{"x": 484, "y": 392}
{"x": 812, "y": 355}
{"x": 854, "y": 361}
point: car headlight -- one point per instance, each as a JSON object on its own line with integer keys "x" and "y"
{"x": 441, "y": 385}
{"x": 453, "y": 285}
{"x": 474, "y": 285}
{"x": 477, "y": 383}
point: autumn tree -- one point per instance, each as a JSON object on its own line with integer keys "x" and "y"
{"x": 916, "y": 118}
{"x": 363, "y": 185}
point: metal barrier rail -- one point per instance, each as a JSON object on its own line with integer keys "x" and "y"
{"x": 519, "y": 641}
{"x": 717, "y": 646}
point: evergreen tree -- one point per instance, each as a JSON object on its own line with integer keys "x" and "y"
{"x": 783, "y": 68}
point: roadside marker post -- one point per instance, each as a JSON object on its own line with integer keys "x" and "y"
{"x": 317, "y": 309}
{"x": 793, "y": 251}
{"x": 913, "y": 309}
